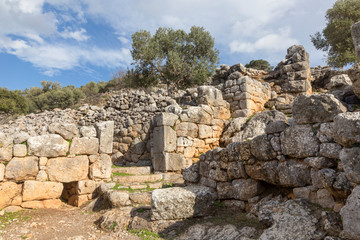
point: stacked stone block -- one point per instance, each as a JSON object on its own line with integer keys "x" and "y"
{"x": 42, "y": 169}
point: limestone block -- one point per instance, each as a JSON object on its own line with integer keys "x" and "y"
{"x": 164, "y": 139}
{"x": 51, "y": 145}
{"x": 347, "y": 128}
{"x": 187, "y": 129}
{"x": 209, "y": 95}
{"x": 8, "y": 192}
{"x": 325, "y": 199}
{"x": 350, "y": 159}
{"x": 295, "y": 86}
{"x": 2, "y": 172}
{"x": 293, "y": 174}
{"x": 196, "y": 115}
{"x": 118, "y": 198}
{"x": 85, "y": 187}
{"x": 262, "y": 149}
{"x": 189, "y": 152}
{"x": 319, "y": 162}
{"x": 222, "y": 113}
{"x": 66, "y": 130}
{"x": 307, "y": 193}
{"x": 316, "y": 108}
{"x": 34, "y": 190}
{"x": 299, "y": 141}
{"x": 165, "y": 119}
{"x": 330, "y": 150}
{"x": 43, "y": 161}
{"x": 105, "y": 132}
{"x": 246, "y": 189}
{"x": 67, "y": 170}
{"x": 49, "y": 203}
{"x": 78, "y": 200}
{"x": 6, "y": 147}
{"x": 205, "y": 131}
{"x": 19, "y": 150}
{"x": 20, "y": 137}
{"x": 101, "y": 169}
{"x": 20, "y": 169}
{"x": 179, "y": 203}
{"x": 168, "y": 161}
{"x": 350, "y": 215}
{"x": 84, "y": 146}
{"x": 88, "y": 131}
{"x": 42, "y": 176}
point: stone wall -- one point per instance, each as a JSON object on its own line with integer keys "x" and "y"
{"x": 315, "y": 157}
{"x": 35, "y": 172}
{"x": 180, "y": 137}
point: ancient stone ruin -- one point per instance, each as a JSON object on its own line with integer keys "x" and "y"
{"x": 259, "y": 142}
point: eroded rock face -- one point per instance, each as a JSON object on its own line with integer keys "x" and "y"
{"x": 299, "y": 141}
{"x": 178, "y": 203}
{"x": 8, "y": 192}
{"x": 34, "y": 190}
{"x": 101, "y": 169}
{"x": 2, "y": 172}
{"x": 66, "y": 130}
{"x": 350, "y": 159}
{"x": 317, "y": 108}
{"x": 6, "y": 147}
{"x": 66, "y": 170}
{"x": 51, "y": 145}
{"x": 105, "y": 132}
{"x": 211, "y": 232}
{"x": 20, "y": 169}
{"x": 292, "y": 220}
{"x": 350, "y": 215}
{"x": 84, "y": 145}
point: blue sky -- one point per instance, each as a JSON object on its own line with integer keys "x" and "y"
{"x": 78, "y": 41}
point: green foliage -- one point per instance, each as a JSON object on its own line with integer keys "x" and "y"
{"x": 172, "y": 57}
{"x": 122, "y": 174}
{"x": 10, "y": 217}
{"x": 12, "y": 102}
{"x": 335, "y": 39}
{"x": 260, "y": 64}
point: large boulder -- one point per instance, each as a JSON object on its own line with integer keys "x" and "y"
{"x": 350, "y": 159}
{"x": 105, "y": 132}
{"x": 291, "y": 220}
{"x": 165, "y": 119}
{"x": 51, "y": 145}
{"x": 179, "y": 203}
{"x": 347, "y": 128}
{"x": 212, "y": 232}
{"x": 20, "y": 169}
{"x": 66, "y": 130}
{"x": 299, "y": 141}
{"x": 34, "y": 190}
{"x": 67, "y": 170}
{"x": 8, "y": 192}
{"x": 350, "y": 215}
{"x": 317, "y": 108}
{"x": 196, "y": 115}
{"x": 209, "y": 95}
{"x": 101, "y": 168}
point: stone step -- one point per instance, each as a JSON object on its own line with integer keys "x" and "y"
{"x": 149, "y": 178}
{"x": 132, "y": 170}
{"x": 136, "y": 186}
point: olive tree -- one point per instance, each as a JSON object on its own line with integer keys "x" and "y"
{"x": 173, "y": 57}
{"x": 335, "y": 38}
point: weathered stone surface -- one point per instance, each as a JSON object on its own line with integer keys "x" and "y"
{"x": 66, "y": 170}
{"x": 42, "y": 176}
{"x": 212, "y": 232}
{"x": 118, "y": 219}
{"x": 168, "y": 161}
{"x": 350, "y": 215}
{"x": 66, "y": 130}
{"x": 291, "y": 220}
{"x": 34, "y": 190}
{"x": 101, "y": 169}
{"x": 293, "y": 174}
{"x": 187, "y": 129}
{"x": 105, "y": 132}
{"x": 49, "y": 203}
{"x": 308, "y": 193}
{"x": 51, "y": 145}
{"x": 8, "y": 192}
{"x": 117, "y": 198}
{"x": 2, "y": 172}
{"x": 20, "y": 169}
{"x": 316, "y": 108}
{"x": 141, "y": 198}
{"x": 236, "y": 170}
{"x": 347, "y": 128}
{"x": 78, "y": 200}
{"x": 205, "y": 131}
{"x": 350, "y": 159}
{"x": 84, "y": 146}
{"x": 19, "y": 150}
{"x": 88, "y": 131}
{"x": 165, "y": 119}
{"x": 209, "y": 95}
{"x": 21, "y": 137}
{"x": 319, "y": 162}
{"x": 6, "y": 147}
{"x": 267, "y": 171}
{"x": 196, "y": 115}
{"x": 191, "y": 174}
{"x": 86, "y": 187}
{"x": 325, "y": 199}
{"x": 164, "y": 139}
{"x": 179, "y": 203}
{"x": 299, "y": 141}
{"x": 330, "y": 150}
{"x": 276, "y": 127}
{"x": 246, "y": 189}
{"x": 338, "y": 82}
{"x": 262, "y": 149}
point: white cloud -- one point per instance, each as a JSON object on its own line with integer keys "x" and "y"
{"x": 273, "y": 42}
{"x": 79, "y": 35}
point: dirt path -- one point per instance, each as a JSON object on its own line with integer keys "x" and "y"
{"x": 58, "y": 224}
